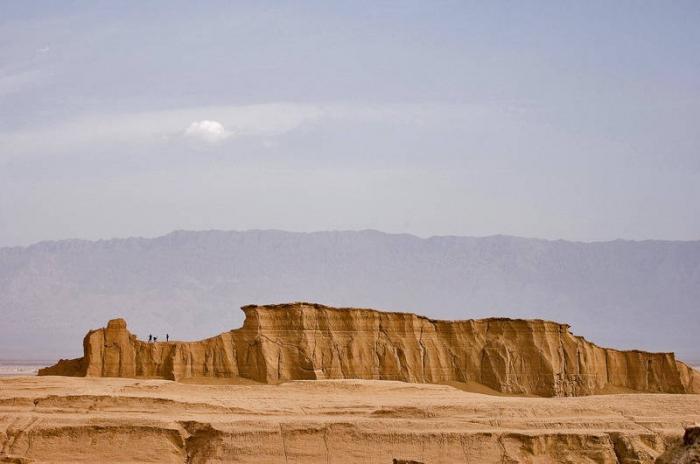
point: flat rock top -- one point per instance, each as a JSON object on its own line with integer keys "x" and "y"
{"x": 367, "y": 401}
{"x": 375, "y": 312}
{"x": 88, "y": 420}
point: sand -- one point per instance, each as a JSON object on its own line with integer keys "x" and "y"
{"x": 63, "y": 419}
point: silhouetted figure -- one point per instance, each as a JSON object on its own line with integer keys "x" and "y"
{"x": 150, "y": 337}
{"x": 167, "y": 337}
{"x": 155, "y": 339}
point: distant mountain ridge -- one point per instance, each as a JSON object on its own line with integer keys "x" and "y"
{"x": 622, "y": 294}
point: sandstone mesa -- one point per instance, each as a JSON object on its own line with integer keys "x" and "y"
{"x": 305, "y": 341}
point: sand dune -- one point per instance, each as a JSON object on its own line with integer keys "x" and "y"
{"x": 63, "y": 419}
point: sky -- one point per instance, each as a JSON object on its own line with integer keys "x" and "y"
{"x": 559, "y": 120}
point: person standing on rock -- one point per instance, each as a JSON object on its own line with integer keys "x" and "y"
{"x": 167, "y": 337}
{"x": 150, "y": 337}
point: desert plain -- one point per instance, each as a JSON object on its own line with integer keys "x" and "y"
{"x": 55, "y": 419}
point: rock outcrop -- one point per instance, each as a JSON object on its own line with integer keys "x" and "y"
{"x": 687, "y": 451}
{"x": 69, "y": 420}
{"x": 303, "y": 341}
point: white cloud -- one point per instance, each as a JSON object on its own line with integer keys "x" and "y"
{"x": 208, "y": 131}
{"x": 211, "y": 124}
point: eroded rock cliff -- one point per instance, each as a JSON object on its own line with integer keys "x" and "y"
{"x": 300, "y": 341}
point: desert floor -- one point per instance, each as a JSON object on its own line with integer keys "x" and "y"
{"x": 61, "y": 419}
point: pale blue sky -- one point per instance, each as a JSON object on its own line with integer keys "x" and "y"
{"x": 545, "y": 119}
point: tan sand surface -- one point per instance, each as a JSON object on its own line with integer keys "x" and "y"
{"x": 64, "y": 419}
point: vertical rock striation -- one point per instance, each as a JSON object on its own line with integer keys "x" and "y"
{"x": 309, "y": 341}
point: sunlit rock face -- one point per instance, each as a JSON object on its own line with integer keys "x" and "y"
{"x": 305, "y": 341}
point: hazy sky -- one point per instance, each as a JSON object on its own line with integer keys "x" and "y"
{"x": 575, "y": 120}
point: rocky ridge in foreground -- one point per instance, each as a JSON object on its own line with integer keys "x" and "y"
{"x": 304, "y": 341}
{"x": 89, "y": 419}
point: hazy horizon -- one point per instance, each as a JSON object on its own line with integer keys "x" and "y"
{"x": 331, "y": 231}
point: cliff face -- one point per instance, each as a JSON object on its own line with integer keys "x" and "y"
{"x": 308, "y": 341}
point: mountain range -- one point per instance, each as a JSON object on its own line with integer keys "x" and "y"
{"x": 190, "y": 285}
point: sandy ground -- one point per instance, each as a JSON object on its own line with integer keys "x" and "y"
{"x": 61, "y": 419}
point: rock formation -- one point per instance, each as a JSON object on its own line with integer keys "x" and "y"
{"x": 304, "y": 341}
{"x": 687, "y": 451}
{"x": 69, "y": 420}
